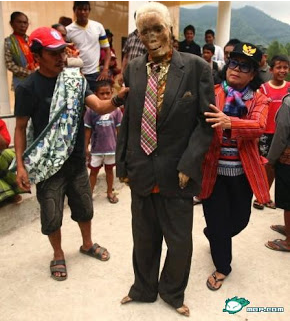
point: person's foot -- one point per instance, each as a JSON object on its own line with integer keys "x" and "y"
{"x": 16, "y": 199}
{"x": 278, "y": 245}
{"x": 279, "y": 228}
{"x": 183, "y": 310}
{"x": 257, "y": 205}
{"x": 112, "y": 198}
{"x": 96, "y": 251}
{"x": 126, "y": 299}
{"x": 58, "y": 269}
{"x": 215, "y": 281}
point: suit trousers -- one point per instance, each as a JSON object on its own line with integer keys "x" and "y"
{"x": 227, "y": 212}
{"x": 154, "y": 217}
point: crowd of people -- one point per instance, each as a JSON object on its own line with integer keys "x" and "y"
{"x": 189, "y": 126}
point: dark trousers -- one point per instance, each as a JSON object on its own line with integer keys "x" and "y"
{"x": 155, "y": 217}
{"x": 92, "y": 80}
{"x": 227, "y": 212}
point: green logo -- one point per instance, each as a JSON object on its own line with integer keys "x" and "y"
{"x": 235, "y": 304}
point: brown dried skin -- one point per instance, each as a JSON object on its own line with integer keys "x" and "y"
{"x": 155, "y": 35}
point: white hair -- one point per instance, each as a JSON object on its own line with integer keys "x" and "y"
{"x": 154, "y": 7}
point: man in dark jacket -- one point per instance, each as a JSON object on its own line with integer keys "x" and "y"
{"x": 162, "y": 141}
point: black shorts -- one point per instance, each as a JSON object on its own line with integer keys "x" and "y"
{"x": 71, "y": 181}
{"x": 282, "y": 186}
{"x": 265, "y": 143}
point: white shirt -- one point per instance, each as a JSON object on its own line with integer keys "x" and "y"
{"x": 88, "y": 40}
{"x": 218, "y": 56}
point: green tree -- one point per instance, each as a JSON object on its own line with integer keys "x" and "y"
{"x": 276, "y": 48}
{"x": 287, "y": 46}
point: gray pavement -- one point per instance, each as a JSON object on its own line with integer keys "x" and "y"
{"x": 94, "y": 289}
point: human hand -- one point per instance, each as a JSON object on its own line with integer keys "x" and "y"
{"x": 22, "y": 179}
{"x": 104, "y": 75}
{"x": 123, "y": 92}
{"x": 120, "y": 79}
{"x": 218, "y": 118}
{"x": 183, "y": 180}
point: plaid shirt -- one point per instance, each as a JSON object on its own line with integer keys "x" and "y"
{"x": 133, "y": 46}
{"x": 11, "y": 65}
{"x": 245, "y": 131}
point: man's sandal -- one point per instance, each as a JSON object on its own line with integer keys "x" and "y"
{"x": 216, "y": 280}
{"x": 96, "y": 254}
{"x": 54, "y": 269}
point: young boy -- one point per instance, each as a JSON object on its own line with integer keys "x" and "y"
{"x": 275, "y": 89}
{"x": 101, "y": 131}
{"x": 208, "y": 51}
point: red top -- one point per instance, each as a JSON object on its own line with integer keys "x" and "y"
{"x": 246, "y": 131}
{"x": 4, "y": 132}
{"x": 275, "y": 95}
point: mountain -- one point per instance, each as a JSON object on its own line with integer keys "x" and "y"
{"x": 247, "y": 24}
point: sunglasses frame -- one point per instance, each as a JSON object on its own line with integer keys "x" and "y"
{"x": 241, "y": 65}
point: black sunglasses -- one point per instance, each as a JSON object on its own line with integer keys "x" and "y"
{"x": 243, "y": 66}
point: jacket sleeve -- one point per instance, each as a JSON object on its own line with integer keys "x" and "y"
{"x": 191, "y": 161}
{"x": 282, "y": 133}
{"x": 123, "y": 135}
{"x": 254, "y": 125}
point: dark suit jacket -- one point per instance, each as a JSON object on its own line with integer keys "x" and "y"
{"x": 183, "y": 136}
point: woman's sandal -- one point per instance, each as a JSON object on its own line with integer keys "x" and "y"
{"x": 257, "y": 205}
{"x": 279, "y": 228}
{"x": 216, "y": 280}
{"x": 61, "y": 270}
{"x": 271, "y": 204}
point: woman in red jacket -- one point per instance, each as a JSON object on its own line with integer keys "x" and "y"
{"x": 233, "y": 169}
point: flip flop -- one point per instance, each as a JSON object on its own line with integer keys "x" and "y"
{"x": 113, "y": 200}
{"x": 216, "y": 280}
{"x": 279, "y": 244}
{"x": 271, "y": 204}
{"x": 257, "y": 205}
{"x": 54, "y": 269}
{"x": 97, "y": 255}
{"x": 278, "y": 228}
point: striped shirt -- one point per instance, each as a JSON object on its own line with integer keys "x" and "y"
{"x": 134, "y": 46}
{"x": 245, "y": 131}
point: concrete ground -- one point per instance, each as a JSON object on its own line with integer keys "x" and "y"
{"x": 94, "y": 289}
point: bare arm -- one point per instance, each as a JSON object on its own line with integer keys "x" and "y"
{"x": 124, "y": 65}
{"x": 104, "y": 106}
{"x": 88, "y": 134}
{"x": 20, "y": 145}
{"x": 104, "y": 73}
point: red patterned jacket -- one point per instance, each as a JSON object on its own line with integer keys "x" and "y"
{"x": 246, "y": 131}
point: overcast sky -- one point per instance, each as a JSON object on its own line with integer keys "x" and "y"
{"x": 279, "y": 10}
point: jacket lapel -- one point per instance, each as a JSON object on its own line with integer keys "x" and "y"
{"x": 174, "y": 78}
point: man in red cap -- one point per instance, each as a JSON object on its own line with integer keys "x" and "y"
{"x": 59, "y": 170}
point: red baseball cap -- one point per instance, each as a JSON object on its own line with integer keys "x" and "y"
{"x": 49, "y": 38}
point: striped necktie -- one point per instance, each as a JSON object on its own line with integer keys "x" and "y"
{"x": 148, "y": 125}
